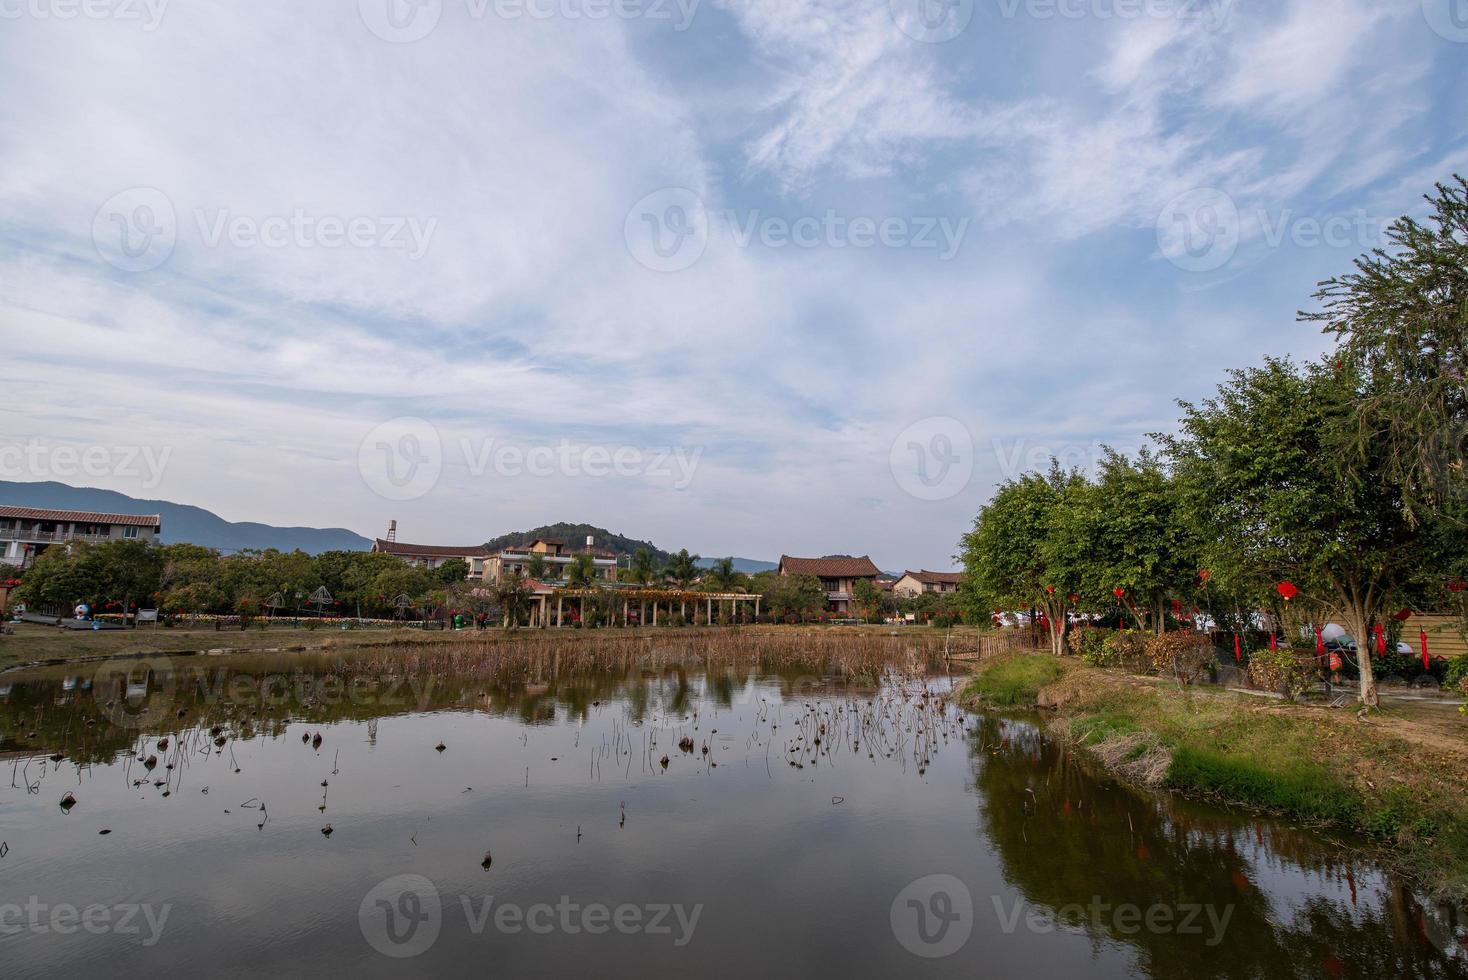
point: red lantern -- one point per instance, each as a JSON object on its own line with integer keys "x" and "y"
{"x": 1238, "y": 657}
{"x": 1287, "y": 589}
{"x": 1204, "y": 575}
{"x": 1426, "y": 660}
{"x": 1335, "y": 661}
{"x": 1319, "y": 641}
{"x": 1457, "y": 585}
{"x": 1073, "y": 598}
{"x": 1177, "y": 607}
{"x": 1380, "y": 631}
{"x": 1119, "y": 592}
{"x": 1273, "y": 642}
{"x": 1050, "y": 589}
{"x": 1402, "y": 615}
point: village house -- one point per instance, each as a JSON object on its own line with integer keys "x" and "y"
{"x": 916, "y": 583}
{"x": 838, "y": 576}
{"x": 431, "y": 556}
{"x": 25, "y": 532}
{"x": 556, "y": 559}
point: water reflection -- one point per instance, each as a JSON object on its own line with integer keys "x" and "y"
{"x": 790, "y": 803}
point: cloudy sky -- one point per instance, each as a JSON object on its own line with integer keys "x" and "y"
{"x": 746, "y": 276}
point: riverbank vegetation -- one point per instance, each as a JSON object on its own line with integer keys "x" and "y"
{"x": 1297, "y": 496}
{"x": 1393, "y": 783}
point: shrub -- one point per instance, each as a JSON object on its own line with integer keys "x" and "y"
{"x": 1089, "y": 643}
{"x": 1456, "y": 672}
{"x": 1127, "y": 650}
{"x": 1182, "y": 653}
{"x": 1282, "y": 671}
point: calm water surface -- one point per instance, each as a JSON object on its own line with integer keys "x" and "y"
{"x": 813, "y": 824}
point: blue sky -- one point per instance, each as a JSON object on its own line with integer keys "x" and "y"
{"x": 747, "y": 277}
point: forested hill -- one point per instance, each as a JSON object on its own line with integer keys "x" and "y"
{"x": 574, "y": 535}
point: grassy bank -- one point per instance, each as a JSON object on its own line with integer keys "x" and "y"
{"x": 1391, "y": 782}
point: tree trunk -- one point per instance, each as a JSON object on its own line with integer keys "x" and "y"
{"x": 1360, "y": 623}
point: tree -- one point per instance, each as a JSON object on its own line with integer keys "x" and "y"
{"x": 1026, "y": 549}
{"x": 722, "y": 577}
{"x": 1137, "y": 539}
{"x": 452, "y": 570}
{"x": 513, "y": 594}
{"x": 868, "y": 599}
{"x": 1402, "y": 322}
{"x": 580, "y": 572}
{"x": 1273, "y": 470}
{"x": 794, "y": 596}
{"x": 535, "y": 567}
{"x": 682, "y": 568}
{"x": 641, "y": 570}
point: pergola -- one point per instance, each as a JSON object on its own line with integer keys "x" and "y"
{"x": 660, "y": 601}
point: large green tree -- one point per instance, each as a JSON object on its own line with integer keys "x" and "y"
{"x": 1272, "y": 470}
{"x": 1027, "y": 547}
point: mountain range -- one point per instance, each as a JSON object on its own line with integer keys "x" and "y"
{"x": 195, "y": 525}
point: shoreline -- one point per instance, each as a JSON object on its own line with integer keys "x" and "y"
{"x": 1392, "y": 785}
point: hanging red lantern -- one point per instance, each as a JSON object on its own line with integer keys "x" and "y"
{"x": 1121, "y": 623}
{"x": 1380, "y": 632}
{"x": 1119, "y": 592}
{"x": 1456, "y": 585}
{"x": 1050, "y": 589}
{"x": 1073, "y": 598}
{"x": 1273, "y": 642}
{"x": 1335, "y": 661}
{"x": 1426, "y": 660}
{"x": 1238, "y": 657}
{"x": 1287, "y": 589}
{"x": 1319, "y": 641}
{"x": 1204, "y": 575}
{"x": 1177, "y": 607}
{"x": 1402, "y": 615}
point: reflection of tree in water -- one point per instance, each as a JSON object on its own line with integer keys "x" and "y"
{"x": 252, "y": 696}
{"x": 1066, "y": 838}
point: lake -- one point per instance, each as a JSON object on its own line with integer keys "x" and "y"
{"x": 677, "y": 814}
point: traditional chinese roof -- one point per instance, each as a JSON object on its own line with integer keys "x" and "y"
{"x": 829, "y": 567}
{"x": 80, "y": 517}
{"x": 935, "y": 578}
{"x": 429, "y": 550}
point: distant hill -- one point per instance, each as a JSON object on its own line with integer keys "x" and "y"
{"x": 182, "y": 522}
{"x": 746, "y": 565}
{"x": 575, "y": 535}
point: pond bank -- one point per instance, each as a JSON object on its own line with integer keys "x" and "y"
{"x": 1393, "y": 785}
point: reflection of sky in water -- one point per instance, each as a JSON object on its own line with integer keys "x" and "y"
{"x": 795, "y": 866}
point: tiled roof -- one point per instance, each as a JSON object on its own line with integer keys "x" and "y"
{"x": 936, "y": 578}
{"x": 430, "y": 550}
{"x": 830, "y": 567}
{"x": 79, "y": 517}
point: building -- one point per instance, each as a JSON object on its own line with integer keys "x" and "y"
{"x": 431, "y": 556}
{"x": 556, "y": 559}
{"x": 838, "y": 576}
{"x": 25, "y": 532}
{"x": 917, "y": 583}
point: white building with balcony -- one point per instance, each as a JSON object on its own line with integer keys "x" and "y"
{"x": 25, "y": 532}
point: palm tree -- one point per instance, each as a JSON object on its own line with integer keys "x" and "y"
{"x": 580, "y": 572}
{"x": 641, "y": 571}
{"x": 682, "y": 568}
{"x": 722, "y": 575}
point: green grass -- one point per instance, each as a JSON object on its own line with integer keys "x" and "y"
{"x": 1015, "y": 682}
{"x": 1300, "y": 789}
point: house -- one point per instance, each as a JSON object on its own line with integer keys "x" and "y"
{"x": 25, "y": 532}
{"x": 555, "y": 557}
{"x": 838, "y": 576}
{"x": 916, "y": 583}
{"x": 431, "y": 556}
